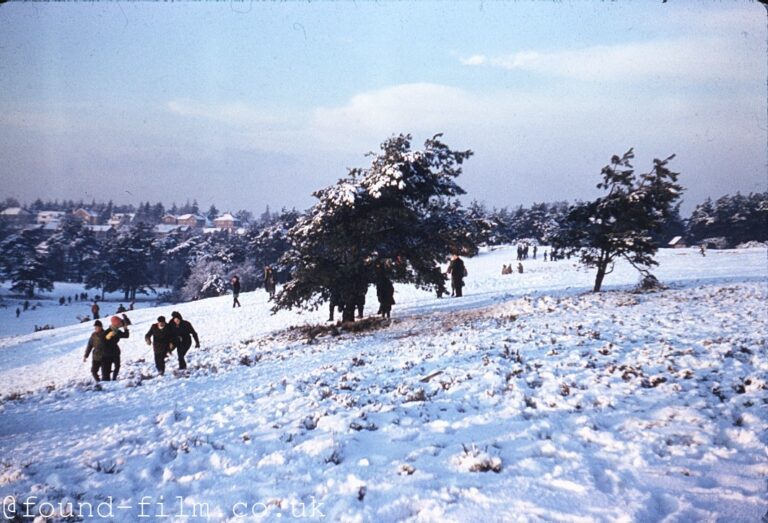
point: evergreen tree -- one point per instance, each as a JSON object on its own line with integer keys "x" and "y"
{"x": 621, "y": 223}
{"x": 25, "y": 264}
{"x": 399, "y": 215}
{"x": 125, "y": 262}
{"x": 157, "y": 212}
{"x": 212, "y": 213}
{"x": 74, "y": 248}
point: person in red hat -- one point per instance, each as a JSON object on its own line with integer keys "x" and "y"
{"x": 111, "y": 349}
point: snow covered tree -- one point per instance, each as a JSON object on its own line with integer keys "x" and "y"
{"x": 400, "y": 213}
{"x": 621, "y": 224}
{"x": 267, "y": 245}
{"x": 207, "y": 279}
{"x": 75, "y": 249}
{"x": 25, "y": 265}
{"x": 125, "y": 262}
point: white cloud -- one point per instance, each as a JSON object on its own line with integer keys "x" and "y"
{"x": 477, "y": 59}
{"x": 691, "y": 59}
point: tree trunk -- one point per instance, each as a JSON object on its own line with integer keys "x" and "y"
{"x": 601, "y": 268}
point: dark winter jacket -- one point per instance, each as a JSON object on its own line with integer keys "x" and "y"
{"x": 111, "y": 338}
{"x": 97, "y": 344}
{"x": 385, "y": 291}
{"x": 236, "y": 287}
{"x": 457, "y": 270}
{"x": 163, "y": 340}
{"x": 184, "y": 332}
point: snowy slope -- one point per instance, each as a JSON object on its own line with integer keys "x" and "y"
{"x": 529, "y": 399}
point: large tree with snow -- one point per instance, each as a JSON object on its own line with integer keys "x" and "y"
{"x": 400, "y": 215}
{"x": 25, "y": 263}
{"x": 622, "y": 223}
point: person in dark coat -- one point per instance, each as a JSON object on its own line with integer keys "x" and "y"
{"x": 96, "y": 346}
{"x": 360, "y": 291}
{"x": 111, "y": 348}
{"x": 458, "y": 271}
{"x": 235, "y": 291}
{"x": 161, "y": 337}
{"x": 270, "y": 284}
{"x": 335, "y": 302}
{"x": 184, "y": 333}
{"x": 95, "y": 310}
{"x": 385, "y": 292}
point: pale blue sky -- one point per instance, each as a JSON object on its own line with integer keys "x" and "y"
{"x": 249, "y": 104}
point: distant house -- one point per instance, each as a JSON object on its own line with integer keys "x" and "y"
{"x": 677, "y": 242}
{"x": 46, "y": 217}
{"x": 121, "y": 218}
{"x": 100, "y": 231}
{"x": 226, "y": 222}
{"x": 191, "y": 220}
{"x": 88, "y": 217}
{"x": 17, "y": 216}
{"x": 169, "y": 219}
{"x": 164, "y": 229}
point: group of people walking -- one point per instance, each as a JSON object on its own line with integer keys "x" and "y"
{"x": 104, "y": 350}
{"x": 164, "y": 338}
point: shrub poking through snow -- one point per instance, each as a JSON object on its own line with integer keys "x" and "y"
{"x": 473, "y": 459}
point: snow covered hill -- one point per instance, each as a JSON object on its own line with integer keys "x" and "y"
{"x": 530, "y": 399}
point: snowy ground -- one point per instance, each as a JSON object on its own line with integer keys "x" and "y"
{"x": 530, "y": 399}
{"x": 44, "y": 309}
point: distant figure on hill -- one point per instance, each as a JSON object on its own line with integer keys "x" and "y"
{"x": 385, "y": 292}
{"x": 235, "y": 291}
{"x": 270, "y": 284}
{"x": 26, "y": 305}
{"x": 703, "y": 249}
{"x": 120, "y": 309}
{"x": 95, "y": 310}
{"x": 545, "y": 255}
{"x": 360, "y": 293}
{"x": 535, "y": 248}
{"x": 161, "y": 337}
{"x": 458, "y": 272}
{"x": 520, "y": 268}
{"x": 335, "y": 301}
{"x": 18, "y": 312}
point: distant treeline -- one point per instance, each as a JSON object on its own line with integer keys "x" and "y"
{"x": 145, "y": 212}
{"x": 135, "y": 260}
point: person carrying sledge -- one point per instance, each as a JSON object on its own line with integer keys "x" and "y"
{"x": 184, "y": 332}
{"x": 458, "y": 272}
{"x": 111, "y": 348}
{"x": 161, "y": 337}
{"x": 96, "y": 347}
